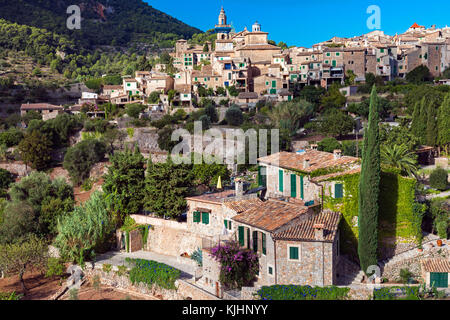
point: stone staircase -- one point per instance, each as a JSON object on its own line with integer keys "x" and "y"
{"x": 406, "y": 255}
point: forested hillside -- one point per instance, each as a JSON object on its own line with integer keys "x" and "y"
{"x": 105, "y": 22}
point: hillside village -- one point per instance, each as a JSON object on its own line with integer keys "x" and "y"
{"x": 90, "y": 182}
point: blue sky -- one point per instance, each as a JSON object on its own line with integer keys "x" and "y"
{"x": 303, "y": 23}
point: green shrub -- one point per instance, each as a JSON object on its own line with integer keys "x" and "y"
{"x": 152, "y": 272}
{"x": 296, "y": 292}
{"x": 55, "y": 267}
{"x": 398, "y": 293}
{"x": 405, "y": 275}
{"x": 73, "y": 294}
{"x": 87, "y": 229}
{"x": 10, "y": 296}
{"x": 197, "y": 256}
{"x": 107, "y": 267}
{"x": 122, "y": 270}
{"x": 130, "y": 132}
{"x": 438, "y": 179}
{"x": 234, "y": 116}
{"x": 441, "y": 228}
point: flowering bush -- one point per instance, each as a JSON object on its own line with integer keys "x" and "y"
{"x": 238, "y": 266}
{"x": 294, "y": 292}
{"x": 152, "y": 272}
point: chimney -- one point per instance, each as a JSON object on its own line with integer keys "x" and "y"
{"x": 319, "y": 229}
{"x": 305, "y": 163}
{"x": 314, "y": 146}
{"x": 239, "y": 187}
{"x": 337, "y": 153}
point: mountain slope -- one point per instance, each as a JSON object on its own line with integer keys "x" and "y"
{"x": 104, "y": 22}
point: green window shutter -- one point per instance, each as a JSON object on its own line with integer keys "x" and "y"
{"x": 274, "y": 83}
{"x": 264, "y": 243}
{"x": 302, "y": 195}
{"x": 334, "y": 63}
{"x": 196, "y": 216}
{"x": 255, "y": 241}
{"x": 229, "y": 224}
{"x": 241, "y": 235}
{"x": 338, "y": 191}
{"x": 225, "y": 222}
{"x": 293, "y": 185}
{"x": 261, "y": 176}
{"x": 205, "y": 217}
{"x": 280, "y": 180}
{"x": 439, "y": 279}
{"x": 248, "y": 238}
{"x": 293, "y": 253}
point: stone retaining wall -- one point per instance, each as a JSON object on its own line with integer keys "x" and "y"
{"x": 392, "y": 271}
{"x": 18, "y": 168}
{"x": 184, "y": 290}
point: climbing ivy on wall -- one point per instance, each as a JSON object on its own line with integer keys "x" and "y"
{"x": 399, "y": 216}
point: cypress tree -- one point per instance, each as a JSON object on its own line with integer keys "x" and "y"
{"x": 432, "y": 130}
{"x": 416, "y": 120}
{"x": 444, "y": 122}
{"x": 419, "y": 120}
{"x": 369, "y": 187}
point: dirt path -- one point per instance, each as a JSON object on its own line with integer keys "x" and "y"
{"x": 39, "y": 287}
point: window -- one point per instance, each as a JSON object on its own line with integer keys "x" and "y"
{"x": 270, "y": 270}
{"x": 241, "y": 235}
{"x": 293, "y": 185}
{"x": 255, "y": 241}
{"x": 337, "y": 54}
{"x": 263, "y": 241}
{"x": 196, "y": 216}
{"x": 205, "y": 217}
{"x": 382, "y": 50}
{"x": 338, "y": 191}
{"x": 262, "y": 175}
{"x": 328, "y": 54}
{"x": 301, "y": 188}
{"x": 280, "y": 180}
{"x": 293, "y": 253}
{"x": 227, "y": 224}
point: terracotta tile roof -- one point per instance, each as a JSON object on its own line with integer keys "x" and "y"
{"x": 40, "y": 106}
{"x": 217, "y": 197}
{"x": 317, "y": 160}
{"x": 304, "y": 230}
{"x": 259, "y": 47}
{"x": 248, "y": 95}
{"x": 336, "y": 174}
{"x": 112, "y": 87}
{"x": 242, "y": 205}
{"x": 436, "y": 265}
{"x": 271, "y": 214}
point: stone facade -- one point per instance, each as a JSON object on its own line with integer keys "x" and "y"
{"x": 316, "y": 265}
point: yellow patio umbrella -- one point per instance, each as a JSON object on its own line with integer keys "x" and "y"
{"x": 219, "y": 183}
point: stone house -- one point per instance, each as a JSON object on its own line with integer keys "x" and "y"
{"x": 436, "y": 272}
{"x": 304, "y": 175}
{"x": 295, "y": 244}
{"x": 47, "y": 110}
{"x": 210, "y": 213}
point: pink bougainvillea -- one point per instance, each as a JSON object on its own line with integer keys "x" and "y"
{"x": 238, "y": 266}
